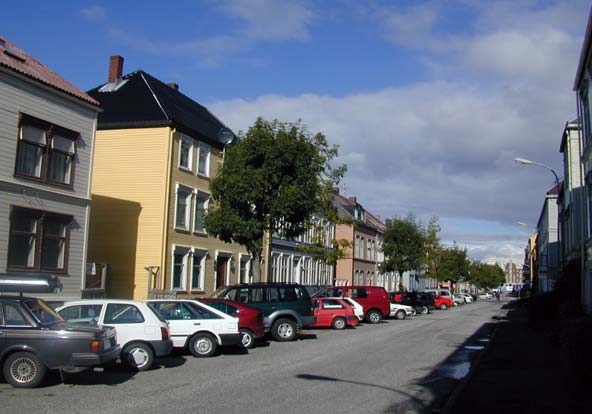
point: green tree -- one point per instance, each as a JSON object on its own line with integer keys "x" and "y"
{"x": 276, "y": 175}
{"x": 403, "y": 245}
{"x": 486, "y": 276}
{"x": 432, "y": 247}
{"x": 453, "y": 264}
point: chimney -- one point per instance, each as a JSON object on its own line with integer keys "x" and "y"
{"x": 115, "y": 68}
{"x": 353, "y": 200}
{"x": 174, "y": 86}
{"x": 335, "y": 190}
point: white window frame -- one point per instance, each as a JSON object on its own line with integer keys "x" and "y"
{"x": 202, "y": 254}
{"x": 189, "y": 205}
{"x": 184, "y": 272}
{"x": 204, "y": 196}
{"x": 246, "y": 269}
{"x": 185, "y": 138}
{"x": 204, "y": 147}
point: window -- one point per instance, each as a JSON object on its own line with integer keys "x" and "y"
{"x": 332, "y": 304}
{"x": 201, "y": 208}
{"x": 180, "y": 267}
{"x": 186, "y": 153}
{"x": 198, "y": 269}
{"x": 244, "y": 268}
{"x": 123, "y": 313}
{"x": 182, "y": 207}
{"x": 86, "y": 314}
{"x": 203, "y": 313}
{"x": 38, "y": 240}
{"x": 13, "y": 317}
{"x": 45, "y": 151}
{"x": 203, "y": 165}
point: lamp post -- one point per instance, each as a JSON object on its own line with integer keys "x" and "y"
{"x": 525, "y": 161}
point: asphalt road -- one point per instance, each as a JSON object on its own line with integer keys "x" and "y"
{"x": 394, "y": 367}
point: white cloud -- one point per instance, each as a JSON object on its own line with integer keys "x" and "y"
{"x": 94, "y": 12}
{"x": 273, "y": 19}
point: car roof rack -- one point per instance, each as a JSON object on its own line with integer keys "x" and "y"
{"x": 29, "y": 283}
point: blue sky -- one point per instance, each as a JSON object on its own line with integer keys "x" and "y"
{"x": 429, "y": 101}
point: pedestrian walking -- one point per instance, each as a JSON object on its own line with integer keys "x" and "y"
{"x": 497, "y": 296}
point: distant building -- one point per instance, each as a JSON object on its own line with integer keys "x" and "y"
{"x": 512, "y": 273}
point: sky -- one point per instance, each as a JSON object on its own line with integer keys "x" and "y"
{"x": 428, "y": 101}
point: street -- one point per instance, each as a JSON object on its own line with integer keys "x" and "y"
{"x": 391, "y": 367}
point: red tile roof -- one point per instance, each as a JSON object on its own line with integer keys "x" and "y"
{"x": 30, "y": 67}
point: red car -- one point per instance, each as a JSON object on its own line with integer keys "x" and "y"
{"x": 374, "y": 299}
{"x": 250, "y": 320}
{"x": 333, "y": 312}
{"x": 441, "y": 302}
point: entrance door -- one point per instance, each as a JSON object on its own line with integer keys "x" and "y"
{"x": 221, "y": 271}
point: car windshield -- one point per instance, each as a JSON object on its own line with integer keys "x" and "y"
{"x": 43, "y": 312}
{"x": 218, "y": 293}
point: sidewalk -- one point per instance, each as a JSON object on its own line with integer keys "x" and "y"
{"x": 520, "y": 372}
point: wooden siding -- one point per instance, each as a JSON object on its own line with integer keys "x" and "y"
{"x": 189, "y": 238}
{"x": 128, "y": 206}
{"x": 18, "y": 96}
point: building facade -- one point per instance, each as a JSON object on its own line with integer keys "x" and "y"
{"x": 47, "y": 133}
{"x": 156, "y": 152}
{"x": 548, "y": 243}
{"x": 363, "y": 263}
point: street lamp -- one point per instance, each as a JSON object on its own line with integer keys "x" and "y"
{"x": 529, "y": 162}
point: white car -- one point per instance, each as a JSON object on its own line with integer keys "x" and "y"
{"x": 485, "y": 295}
{"x": 467, "y": 297}
{"x": 142, "y": 333}
{"x": 197, "y": 326}
{"x": 358, "y": 309}
{"x": 399, "y": 311}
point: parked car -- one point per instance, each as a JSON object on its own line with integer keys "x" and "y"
{"x": 250, "y": 319}
{"x": 142, "y": 333}
{"x": 358, "y": 309}
{"x": 399, "y": 311}
{"x": 286, "y": 307}
{"x": 485, "y": 295}
{"x": 374, "y": 299}
{"x": 458, "y": 300}
{"x": 333, "y": 312}
{"x": 467, "y": 297}
{"x": 442, "y": 298}
{"x": 34, "y": 338}
{"x": 197, "y": 326}
{"x": 423, "y": 303}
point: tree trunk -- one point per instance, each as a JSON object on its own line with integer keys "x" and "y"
{"x": 256, "y": 266}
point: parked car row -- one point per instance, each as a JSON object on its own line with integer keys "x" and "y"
{"x": 93, "y": 332}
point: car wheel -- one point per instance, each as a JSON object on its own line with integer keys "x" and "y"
{"x": 283, "y": 330}
{"x": 247, "y": 338}
{"x": 339, "y": 323}
{"x": 138, "y": 356}
{"x": 423, "y": 310}
{"x": 400, "y": 315}
{"x": 374, "y": 316}
{"x": 202, "y": 345}
{"x": 443, "y": 306}
{"x": 24, "y": 370}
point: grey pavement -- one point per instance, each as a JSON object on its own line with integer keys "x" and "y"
{"x": 395, "y": 367}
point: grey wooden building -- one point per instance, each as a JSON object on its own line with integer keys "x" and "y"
{"x": 47, "y": 132}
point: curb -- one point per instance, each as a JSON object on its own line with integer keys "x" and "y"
{"x": 451, "y": 401}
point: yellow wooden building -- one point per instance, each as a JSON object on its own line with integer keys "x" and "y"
{"x": 155, "y": 153}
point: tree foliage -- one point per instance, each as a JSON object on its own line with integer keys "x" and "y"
{"x": 453, "y": 264}
{"x": 277, "y": 174}
{"x": 403, "y": 245}
{"x": 486, "y": 276}
{"x": 432, "y": 247}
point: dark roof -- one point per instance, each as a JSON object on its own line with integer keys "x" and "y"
{"x": 17, "y": 60}
{"x": 139, "y": 100}
{"x": 346, "y": 209}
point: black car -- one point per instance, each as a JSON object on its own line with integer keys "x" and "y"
{"x": 422, "y": 302}
{"x": 34, "y": 338}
